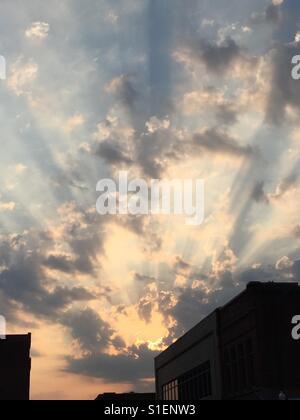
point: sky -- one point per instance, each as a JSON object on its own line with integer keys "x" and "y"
{"x": 164, "y": 89}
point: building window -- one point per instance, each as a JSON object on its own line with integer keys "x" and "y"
{"x": 170, "y": 391}
{"x": 238, "y": 361}
{"x": 195, "y": 385}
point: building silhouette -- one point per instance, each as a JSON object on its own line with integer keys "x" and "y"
{"x": 15, "y": 366}
{"x": 242, "y": 351}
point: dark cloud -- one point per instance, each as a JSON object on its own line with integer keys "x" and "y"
{"x": 287, "y": 184}
{"x": 88, "y": 329}
{"x": 218, "y": 58}
{"x": 259, "y": 194}
{"x": 124, "y": 90}
{"x": 145, "y": 307}
{"x": 143, "y": 279}
{"x": 112, "y": 153}
{"x": 193, "y": 303}
{"x": 85, "y": 239}
{"x": 271, "y": 15}
{"x": 217, "y": 141}
{"x": 180, "y": 264}
{"x": 187, "y": 306}
{"x": 296, "y": 270}
{"x": 227, "y": 114}
{"x": 60, "y": 263}
{"x": 133, "y": 366}
{"x": 24, "y": 280}
{"x": 155, "y": 151}
{"x": 118, "y": 343}
{"x": 285, "y": 91}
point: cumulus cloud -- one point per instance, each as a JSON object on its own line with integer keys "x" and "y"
{"x": 150, "y": 117}
{"x": 123, "y": 89}
{"x": 289, "y": 182}
{"x": 145, "y": 307}
{"x": 212, "y": 100}
{"x": 24, "y": 281}
{"x": 38, "y": 30}
{"x": 218, "y": 57}
{"x": 284, "y": 263}
{"x": 7, "y": 206}
{"x": 194, "y": 303}
{"x": 29, "y": 263}
{"x": 22, "y": 75}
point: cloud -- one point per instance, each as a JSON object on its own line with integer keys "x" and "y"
{"x": 38, "y": 30}
{"x": 284, "y": 90}
{"x": 22, "y": 75}
{"x": 286, "y": 185}
{"x": 218, "y": 58}
{"x": 88, "y": 329}
{"x": 271, "y": 15}
{"x": 296, "y": 232}
{"x": 112, "y": 17}
{"x": 24, "y": 282}
{"x": 194, "y": 303}
{"x": 112, "y": 153}
{"x": 7, "y": 206}
{"x": 284, "y": 263}
{"x": 83, "y": 232}
{"x": 212, "y": 100}
{"x": 26, "y": 260}
{"x": 74, "y": 122}
{"x": 143, "y": 279}
{"x": 123, "y": 90}
{"x": 159, "y": 146}
{"x": 131, "y": 367}
{"x": 217, "y": 141}
{"x": 61, "y": 263}
{"x": 155, "y": 124}
{"x": 145, "y": 307}
{"x": 143, "y": 227}
{"x": 227, "y": 114}
{"x": 259, "y": 194}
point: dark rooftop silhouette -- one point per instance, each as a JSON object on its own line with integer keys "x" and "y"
{"x": 15, "y": 367}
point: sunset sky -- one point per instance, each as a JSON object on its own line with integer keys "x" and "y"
{"x": 197, "y": 89}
